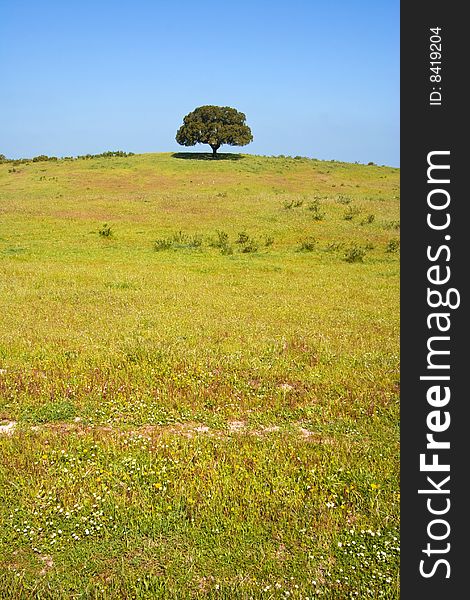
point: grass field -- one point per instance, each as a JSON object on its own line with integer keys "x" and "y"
{"x": 199, "y": 378}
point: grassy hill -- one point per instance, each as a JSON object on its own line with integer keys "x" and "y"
{"x": 199, "y": 377}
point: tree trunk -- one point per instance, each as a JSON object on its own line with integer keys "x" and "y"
{"x": 214, "y": 147}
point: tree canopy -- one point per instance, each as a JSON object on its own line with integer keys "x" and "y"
{"x": 214, "y": 125}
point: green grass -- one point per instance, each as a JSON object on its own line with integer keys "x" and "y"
{"x": 202, "y": 378}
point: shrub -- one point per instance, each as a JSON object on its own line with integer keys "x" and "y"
{"x": 292, "y": 203}
{"x": 246, "y": 243}
{"x": 18, "y": 161}
{"x": 220, "y": 240}
{"x": 162, "y": 244}
{"x": 183, "y": 240}
{"x": 392, "y": 225}
{"x": 334, "y": 246}
{"x": 108, "y": 154}
{"x": 354, "y": 254}
{"x": 350, "y": 213}
{"x": 340, "y": 199}
{"x": 44, "y": 157}
{"x": 226, "y": 250}
{"x": 393, "y": 245}
{"x": 307, "y": 245}
{"x": 178, "y": 240}
{"x": 105, "y": 231}
{"x": 269, "y": 241}
{"x": 195, "y": 241}
{"x": 368, "y": 220}
{"x": 243, "y": 238}
{"x": 315, "y": 208}
{"x": 250, "y": 246}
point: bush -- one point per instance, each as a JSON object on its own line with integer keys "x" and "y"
{"x": 292, "y": 203}
{"x": 226, "y": 250}
{"x": 315, "y": 208}
{"x": 368, "y": 220}
{"x": 343, "y": 199}
{"x": 392, "y": 225}
{"x": 44, "y": 157}
{"x": 243, "y": 238}
{"x": 393, "y": 245}
{"x": 108, "y": 154}
{"x": 162, "y": 244}
{"x": 177, "y": 241}
{"x": 334, "y": 246}
{"x": 105, "y": 231}
{"x": 183, "y": 240}
{"x": 249, "y": 246}
{"x": 308, "y": 244}
{"x": 354, "y": 254}
{"x": 269, "y": 241}
{"x": 350, "y": 213}
{"x": 220, "y": 240}
{"x": 246, "y": 243}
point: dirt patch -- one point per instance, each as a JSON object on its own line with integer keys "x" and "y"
{"x": 48, "y": 564}
{"x": 202, "y": 429}
{"x": 235, "y": 426}
{"x": 270, "y": 429}
{"x": 8, "y": 428}
{"x": 188, "y": 430}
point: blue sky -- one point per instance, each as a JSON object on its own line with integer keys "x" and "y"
{"x": 318, "y": 79}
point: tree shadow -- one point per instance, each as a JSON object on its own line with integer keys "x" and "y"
{"x": 206, "y": 156}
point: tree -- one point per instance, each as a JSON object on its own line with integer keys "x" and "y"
{"x": 214, "y": 125}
